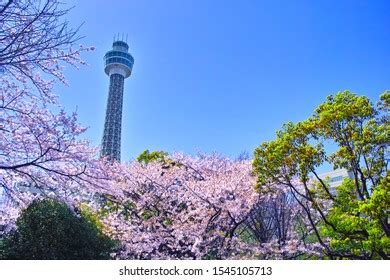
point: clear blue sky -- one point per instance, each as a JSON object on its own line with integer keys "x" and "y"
{"x": 224, "y": 75}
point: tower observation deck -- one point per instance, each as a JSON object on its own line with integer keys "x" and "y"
{"x": 118, "y": 66}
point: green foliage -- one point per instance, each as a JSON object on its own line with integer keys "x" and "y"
{"x": 146, "y": 157}
{"x": 109, "y": 207}
{"x": 357, "y": 231}
{"x": 161, "y": 157}
{"x": 384, "y": 103}
{"x": 289, "y": 155}
{"x": 48, "y": 229}
{"x": 148, "y": 214}
{"x": 246, "y": 235}
{"x": 212, "y": 254}
{"x": 357, "y": 223}
{"x": 168, "y": 222}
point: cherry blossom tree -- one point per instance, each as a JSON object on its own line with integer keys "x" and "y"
{"x": 39, "y": 142}
{"x": 34, "y": 39}
{"x": 182, "y": 207}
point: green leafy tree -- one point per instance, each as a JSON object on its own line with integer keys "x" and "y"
{"x": 146, "y": 157}
{"x": 351, "y": 221}
{"x": 48, "y": 229}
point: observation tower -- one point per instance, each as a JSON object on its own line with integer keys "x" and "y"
{"x": 118, "y": 65}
